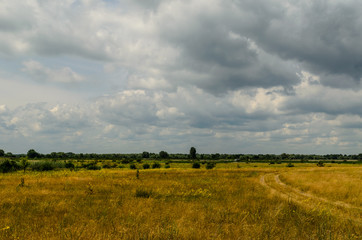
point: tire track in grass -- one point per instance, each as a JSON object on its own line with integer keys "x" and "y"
{"x": 273, "y": 183}
{"x": 308, "y": 195}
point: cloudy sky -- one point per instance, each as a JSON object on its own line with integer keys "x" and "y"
{"x": 228, "y": 76}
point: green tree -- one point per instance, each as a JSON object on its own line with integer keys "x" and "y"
{"x": 32, "y": 154}
{"x": 163, "y": 154}
{"x": 193, "y": 153}
{"x": 24, "y": 163}
{"x": 2, "y": 153}
{"x": 145, "y": 154}
{"x": 284, "y": 156}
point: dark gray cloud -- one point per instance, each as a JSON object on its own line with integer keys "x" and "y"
{"x": 228, "y": 76}
{"x": 324, "y": 36}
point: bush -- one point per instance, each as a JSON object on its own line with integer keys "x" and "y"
{"x": 320, "y": 164}
{"x": 93, "y": 167}
{"x": 146, "y": 166}
{"x": 156, "y": 165}
{"x": 132, "y": 166}
{"x": 109, "y": 165}
{"x": 167, "y": 165}
{"x": 69, "y": 165}
{"x": 196, "y": 165}
{"x": 290, "y": 165}
{"x": 210, "y": 165}
{"x": 46, "y": 166}
{"x": 125, "y": 161}
{"x": 8, "y": 166}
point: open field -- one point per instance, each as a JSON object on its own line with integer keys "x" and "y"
{"x": 232, "y": 201}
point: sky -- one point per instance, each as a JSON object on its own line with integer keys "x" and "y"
{"x": 227, "y": 76}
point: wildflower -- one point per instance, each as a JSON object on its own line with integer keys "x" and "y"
{"x": 5, "y": 228}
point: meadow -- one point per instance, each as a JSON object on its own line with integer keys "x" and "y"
{"x": 231, "y": 201}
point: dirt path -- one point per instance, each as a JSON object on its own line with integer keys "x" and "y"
{"x": 308, "y": 195}
{"x": 276, "y": 187}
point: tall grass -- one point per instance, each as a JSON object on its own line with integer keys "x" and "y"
{"x": 160, "y": 204}
{"x": 338, "y": 184}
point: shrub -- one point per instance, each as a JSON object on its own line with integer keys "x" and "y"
{"x": 8, "y": 166}
{"x": 320, "y": 164}
{"x": 125, "y": 161}
{"x": 290, "y": 165}
{"x": 167, "y": 165}
{"x": 46, "y": 166}
{"x": 146, "y": 166}
{"x": 69, "y": 165}
{"x": 271, "y": 162}
{"x": 109, "y": 165}
{"x": 210, "y": 165}
{"x": 24, "y": 163}
{"x": 92, "y": 166}
{"x": 196, "y": 165}
{"x": 132, "y": 166}
{"x": 156, "y": 165}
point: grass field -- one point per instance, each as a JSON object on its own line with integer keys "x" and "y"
{"x": 232, "y": 201}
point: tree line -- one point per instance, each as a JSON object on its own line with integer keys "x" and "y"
{"x": 192, "y": 155}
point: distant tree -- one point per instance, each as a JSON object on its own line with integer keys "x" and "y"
{"x": 163, "y": 154}
{"x": 2, "y": 153}
{"x": 193, "y": 153}
{"x": 146, "y": 155}
{"x": 284, "y": 156}
{"x": 9, "y": 155}
{"x": 215, "y": 156}
{"x": 32, "y": 154}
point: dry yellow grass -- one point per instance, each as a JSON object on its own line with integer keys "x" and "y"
{"x": 335, "y": 183}
{"x": 161, "y": 204}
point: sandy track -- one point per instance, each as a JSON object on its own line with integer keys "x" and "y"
{"x": 276, "y": 187}
{"x": 308, "y": 195}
